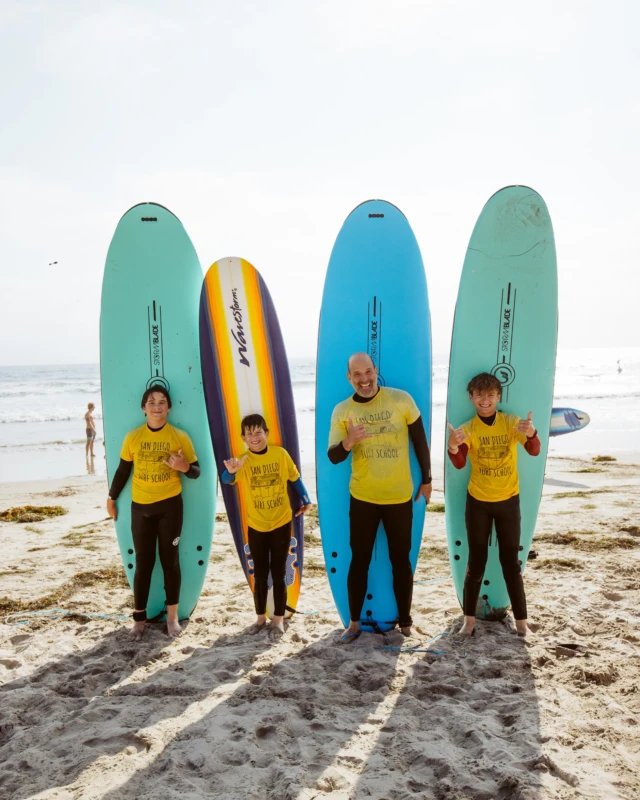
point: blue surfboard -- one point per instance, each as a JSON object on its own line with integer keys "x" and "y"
{"x": 375, "y": 300}
{"x": 567, "y": 420}
{"x": 149, "y": 334}
{"x": 505, "y": 323}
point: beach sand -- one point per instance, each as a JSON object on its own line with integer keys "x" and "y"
{"x": 86, "y": 713}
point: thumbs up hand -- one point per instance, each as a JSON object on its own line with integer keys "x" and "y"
{"x": 457, "y": 436}
{"x": 526, "y": 426}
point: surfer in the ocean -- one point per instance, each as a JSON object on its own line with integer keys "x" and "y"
{"x": 157, "y": 453}
{"x": 376, "y": 423}
{"x": 490, "y": 440}
{"x": 264, "y": 471}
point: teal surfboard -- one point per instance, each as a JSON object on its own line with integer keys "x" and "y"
{"x": 149, "y": 334}
{"x": 375, "y": 300}
{"x": 505, "y": 323}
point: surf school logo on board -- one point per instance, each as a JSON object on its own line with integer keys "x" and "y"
{"x": 238, "y": 333}
{"x": 374, "y": 334}
{"x": 504, "y": 370}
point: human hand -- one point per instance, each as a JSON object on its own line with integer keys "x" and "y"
{"x": 457, "y": 436}
{"x": 112, "y": 509}
{"x": 303, "y": 509}
{"x": 424, "y": 491}
{"x": 177, "y": 462}
{"x": 233, "y": 465}
{"x": 526, "y": 426}
{"x": 356, "y": 434}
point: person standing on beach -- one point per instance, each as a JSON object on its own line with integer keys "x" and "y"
{"x": 490, "y": 439}
{"x": 157, "y": 452}
{"x": 375, "y": 423}
{"x": 265, "y": 478}
{"x": 90, "y": 426}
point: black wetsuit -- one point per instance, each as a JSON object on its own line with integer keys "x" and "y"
{"x": 154, "y": 524}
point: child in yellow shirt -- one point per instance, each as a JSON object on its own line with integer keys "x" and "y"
{"x": 265, "y": 470}
{"x": 490, "y": 439}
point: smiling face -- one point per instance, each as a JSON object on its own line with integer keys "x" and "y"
{"x": 255, "y": 438}
{"x": 157, "y": 409}
{"x": 485, "y": 402}
{"x": 363, "y": 375}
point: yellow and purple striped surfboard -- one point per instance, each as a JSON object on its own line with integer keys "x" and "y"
{"x": 245, "y": 371}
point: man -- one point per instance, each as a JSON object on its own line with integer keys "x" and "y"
{"x": 375, "y": 423}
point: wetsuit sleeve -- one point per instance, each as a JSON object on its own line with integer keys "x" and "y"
{"x": 226, "y": 477}
{"x": 120, "y": 478}
{"x": 193, "y": 471}
{"x": 420, "y": 445}
{"x": 337, "y": 453}
{"x": 533, "y": 445}
{"x": 459, "y": 459}
{"x": 304, "y": 495}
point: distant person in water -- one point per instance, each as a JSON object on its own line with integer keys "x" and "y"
{"x": 157, "y": 453}
{"x": 619, "y": 367}
{"x": 381, "y": 485}
{"x": 90, "y": 427}
{"x": 266, "y": 477}
{"x": 490, "y": 439}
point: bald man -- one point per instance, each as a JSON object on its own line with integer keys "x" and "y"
{"x": 374, "y": 424}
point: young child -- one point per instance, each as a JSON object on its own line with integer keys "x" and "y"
{"x": 493, "y": 492}
{"x": 269, "y": 515}
{"x": 90, "y": 430}
{"x": 157, "y": 453}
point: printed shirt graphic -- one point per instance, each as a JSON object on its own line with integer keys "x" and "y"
{"x": 264, "y": 479}
{"x": 152, "y": 480}
{"x": 380, "y": 468}
{"x": 494, "y": 457}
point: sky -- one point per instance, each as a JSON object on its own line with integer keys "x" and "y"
{"x": 262, "y": 125}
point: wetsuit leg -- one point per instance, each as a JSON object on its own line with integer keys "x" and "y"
{"x": 169, "y": 515}
{"x": 397, "y": 519}
{"x": 364, "y": 519}
{"x": 479, "y": 520}
{"x": 145, "y": 534}
{"x": 280, "y": 541}
{"x": 259, "y": 542}
{"x": 507, "y": 517}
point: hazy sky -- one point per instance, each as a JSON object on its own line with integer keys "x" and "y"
{"x": 262, "y": 124}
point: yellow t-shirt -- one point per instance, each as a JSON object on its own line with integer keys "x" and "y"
{"x": 494, "y": 457}
{"x": 263, "y": 481}
{"x": 152, "y": 480}
{"x": 380, "y": 469}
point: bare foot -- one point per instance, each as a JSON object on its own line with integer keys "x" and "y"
{"x": 137, "y": 631}
{"x": 406, "y": 631}
{"x": 522, "y": 629}
{"x": 173, "y": 628}
{"x": 468, "y": 627}
{"x": 255, "y": 628}
{"x": 275, "y": 633}
{"x": 354, "y": 627}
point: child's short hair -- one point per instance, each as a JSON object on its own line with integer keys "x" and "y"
{"x": 484, "y": 382}
{"x": 253, "y": 421}
{"x": 90, "y": 406}
{"x": 157, "y": 387}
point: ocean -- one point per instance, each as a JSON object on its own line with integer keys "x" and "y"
{"x": 42, "y": 430}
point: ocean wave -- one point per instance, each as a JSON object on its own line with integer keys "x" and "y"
{"x": 22, "y": 418}
{"x": 41, "y": 445}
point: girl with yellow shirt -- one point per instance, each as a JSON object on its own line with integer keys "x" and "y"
{"x": 157, "y": 453}
{"x": 490, "y": 440}
{"x": 264, "y": 471}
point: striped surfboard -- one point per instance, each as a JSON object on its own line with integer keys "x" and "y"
{"x": 245, "y": 371}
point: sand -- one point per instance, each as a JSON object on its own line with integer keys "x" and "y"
{"x": 85, "y": 713}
